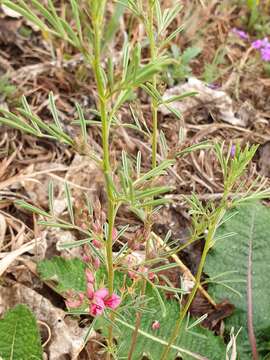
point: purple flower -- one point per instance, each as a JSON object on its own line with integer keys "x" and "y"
{"x": 242, "y": 34}
{"x": 260, "y": 43}
{"x": 265, "y": 53}
{"x": 233, "y": 150}
{"x": 264, "y": 46}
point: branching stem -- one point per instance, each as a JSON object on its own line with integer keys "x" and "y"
{"x": 218, "y": 214}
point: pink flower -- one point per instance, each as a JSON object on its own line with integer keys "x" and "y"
{"x": 155, "y": 325}
{"x": 97, "y": 227}
{"x": 96, "y": 263}
{"x": 113, "y": 301}
{"x": 89, "y": 276}
{"x": 97, "y": 244}
{"x": 151, "y": 275}
{"x": 133, "y": 275}
{"x": 86, "y": 258}
{"x": 101, "y": 300}
{"x": 75, "y": 302}
{"x": 97, "y": 307}
{"x": 102, "y": 293}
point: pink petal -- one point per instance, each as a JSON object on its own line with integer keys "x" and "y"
{"x": 155, "y": 325}
{"x": 97, "y": 307}
{"x": 97, "y": 227}
{"x": 90, "y": 291}
{"x": 102, "y": 293}
{"x": 151, "y": 275}
{"x": 75, "y": 303}
{"x": 89, "y": 276}
{"x": 86, "y": 258}
{"x": 96, "y": 263}
{"x": 113, "y": 301}
{"x": 96, "y": 243}
{"x": 114, "y": 233}
{"x": 132, "y": 275}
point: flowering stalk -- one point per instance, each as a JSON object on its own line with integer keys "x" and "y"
{"x": 105, "y": 125}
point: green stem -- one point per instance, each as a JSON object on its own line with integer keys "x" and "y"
{"x": 137, "y": 325}
{"x": 184, "y": 311}
{"x": 102, "y": 105}
{"x": 105, "y": 145}
{"x": 154, "y": 106}
{"x": 208, "y": 244}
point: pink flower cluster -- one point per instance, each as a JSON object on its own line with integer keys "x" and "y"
{"x": 98, "y": 300}
{"x": 264, "y": 46}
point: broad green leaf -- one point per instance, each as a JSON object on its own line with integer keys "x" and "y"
{"x": 68, "y": 274}
{"x": 19, "y": 336}
{"x": 242, "y": 262}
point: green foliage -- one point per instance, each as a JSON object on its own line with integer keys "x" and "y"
{"x": 19, "y": 336}
{"x": 253, "y": 6}
{"x": 6, "y": 88}
{"x": 192, "y": 342}
{"x": 212, "y": 70}
{"x": 180, "y": 69}
{"x": 245, "y": 252}
{"x": 68, "y": 273}
{"x": 258, "y": 19}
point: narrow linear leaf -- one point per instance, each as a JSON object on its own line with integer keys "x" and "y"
{"x": 69, "y": 203}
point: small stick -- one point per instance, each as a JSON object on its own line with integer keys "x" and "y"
{"x": 184, "y": 269}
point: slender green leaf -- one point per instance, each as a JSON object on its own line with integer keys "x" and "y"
{"x": 69, "y": 203}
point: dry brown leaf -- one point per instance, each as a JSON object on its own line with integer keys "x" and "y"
{"x": 3, "y": 228}
{"x": 38, "y": 190}
{"x": 264, "y": 160}
{"x": 8, "y": 258}
{"x": 207, "y": 97}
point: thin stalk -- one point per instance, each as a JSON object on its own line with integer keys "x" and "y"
{"x": 184, "y": 311}
{"x": 154, "y": 109}
{"x": 102, "y": 105}
{"x": 137, "y": 326}
{"x": 105, "y": 145}
{"x": 208, "y": 243}
{"x": 154, "y": 106}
